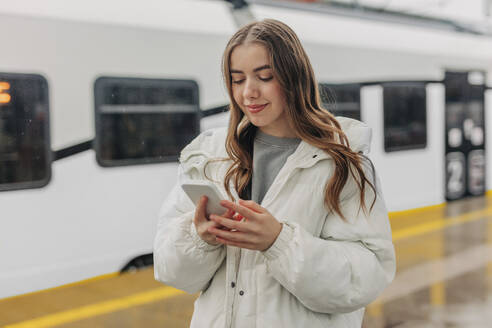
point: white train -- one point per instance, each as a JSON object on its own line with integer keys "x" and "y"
{"x": 97, "y": 99}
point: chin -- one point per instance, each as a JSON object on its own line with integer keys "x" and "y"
{"x": 258, "y": 123}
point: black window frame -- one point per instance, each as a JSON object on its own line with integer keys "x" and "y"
{"x": 384, "y": 86}
{"x": 328, "y": 90}
{"x": 102, "y": 82}
{"x": 47, "y": 135}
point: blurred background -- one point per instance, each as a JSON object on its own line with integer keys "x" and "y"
{"x": 97, "y": 99}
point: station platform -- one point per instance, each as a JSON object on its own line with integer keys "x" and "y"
{"x": 444, "y": 279}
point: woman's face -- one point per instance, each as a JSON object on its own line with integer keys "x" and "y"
{"x": 256, "y": 90}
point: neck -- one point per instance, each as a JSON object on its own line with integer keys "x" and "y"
{"x": 279, "y": 131}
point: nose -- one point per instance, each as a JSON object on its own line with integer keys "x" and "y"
{"x": 251, "y": 90}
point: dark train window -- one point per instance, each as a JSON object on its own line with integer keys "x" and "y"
{"x": 25, "y": 152}
{"x": 405, "y": 124}
{"x": 141, "y": 121}
{"x": 341, "y": 99}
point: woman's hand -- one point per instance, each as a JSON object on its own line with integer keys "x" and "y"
{"x": 258, "y": 232}
{"x": 203, "y": 225}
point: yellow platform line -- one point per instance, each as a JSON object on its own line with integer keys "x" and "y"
{"x": 424, "y": 209}
{"x": 98, "y": 308}
{"x": 414, "y": 211}
{"x": 440, "y": 224}
{"x": 71, "y": 284}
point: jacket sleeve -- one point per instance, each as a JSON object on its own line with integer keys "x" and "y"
{"x": 343, "y": 270}
{"x": 181, "y": 258}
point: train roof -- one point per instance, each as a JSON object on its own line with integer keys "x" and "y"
{"x": 323, "y": 28}
{"x": 203, "y": 16}
{"x": 214, "y": 17}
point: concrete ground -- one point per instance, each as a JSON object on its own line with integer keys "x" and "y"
{"x": 444, "y": 279}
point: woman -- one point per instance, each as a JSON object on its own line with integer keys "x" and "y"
{"x": 315, "y": 246}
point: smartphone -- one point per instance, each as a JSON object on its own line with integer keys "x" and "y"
{"x": 197, "y": 189}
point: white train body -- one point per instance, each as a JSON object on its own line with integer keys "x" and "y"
{"x": 90, "y": 220}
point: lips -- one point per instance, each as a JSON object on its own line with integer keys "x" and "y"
{"x": 256, "y": 108}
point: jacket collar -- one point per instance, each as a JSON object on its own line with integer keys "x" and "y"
{"x": 211, "y": 144}
{"x": 358, "y": 134}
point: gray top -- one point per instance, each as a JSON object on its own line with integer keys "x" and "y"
{"x": 269, "y": 155}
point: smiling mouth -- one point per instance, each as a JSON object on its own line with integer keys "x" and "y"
{"x": 256, "y": 108}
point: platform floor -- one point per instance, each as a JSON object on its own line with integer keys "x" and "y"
{"x": 444, "y": 279}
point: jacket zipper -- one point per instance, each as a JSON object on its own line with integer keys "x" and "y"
{"x": 235, "y": 298}
{"x": 239, "y": 259}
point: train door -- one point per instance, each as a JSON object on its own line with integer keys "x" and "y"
{"x": 465, "y": 134}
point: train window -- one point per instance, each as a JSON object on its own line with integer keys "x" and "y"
{"x": 341, "y": 99}
{"x": 141, "y": 121}
{"x": 405, "y": 124}
{"x": 25, "y": 152}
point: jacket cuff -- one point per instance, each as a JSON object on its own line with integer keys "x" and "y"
{"x": 281, "y": 243}
{"x": 199, "y": 242}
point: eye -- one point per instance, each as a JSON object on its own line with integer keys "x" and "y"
{"x": 266, "y": 79}
{"x": 237, "y": 81}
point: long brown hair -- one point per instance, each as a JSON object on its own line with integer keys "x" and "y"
{"x": 312, "y": 123}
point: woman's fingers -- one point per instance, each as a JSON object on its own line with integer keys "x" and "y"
{"x": 228, "y": 223}
{"x": 252, "y": 205}
{"x": 212, "y": 224}
{"x": 244, "y": 211}
{"x": 228, "y": 214}
{"x": 236, "y": 236}
{"x": 201, "y": 211}
{"x": 233, "y": 243}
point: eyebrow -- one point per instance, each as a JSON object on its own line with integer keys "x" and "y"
{"x": 255, "y": 70}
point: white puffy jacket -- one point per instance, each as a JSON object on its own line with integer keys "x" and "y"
{"x": 320, "y": 272}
